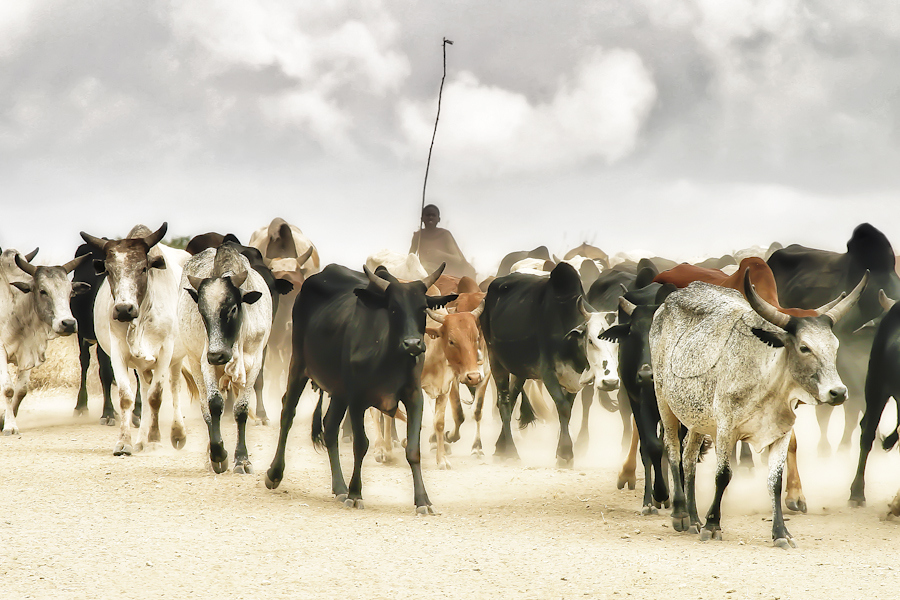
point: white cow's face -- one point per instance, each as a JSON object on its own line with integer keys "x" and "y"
{"x": 602, "y": 356}
{"x": 812, "y": 360}
{"x": 50, "y": 293}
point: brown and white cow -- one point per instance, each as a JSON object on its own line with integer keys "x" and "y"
{"x": 33, "y": 313}
{"x": 135, "y": 318}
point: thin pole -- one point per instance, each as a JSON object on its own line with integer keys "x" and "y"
{"x": 430, "y": 148}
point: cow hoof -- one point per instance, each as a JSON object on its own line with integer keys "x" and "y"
{"x": 425, "y": 511}
{"x": 630, "y": 480}
{"x": 478, "y": 452}
{"x": 649, "y": 510}
{"x": 11, "y": 431}
{"x": 80, "y": 412}
{"x": 108, "y": 421}
{"x": 857, "y": 503}
{"x": 341, "y": 497}
{"x": 445, "y": 465}
{"x": 681, "y": 523}
{"x": 706, "y": 535}
{"x": 122, "y": 449}
{"x": 219, "y": 467}
{"x": 798, "y": 505}
{"x": 263, "y": 421}
{"x": 178, "y": 441}
{"x": 354, "y": 503}
{"x": 243, "y": 468}
{"x": 786, "y": 543}
{"x": 694, "y": 529}
{"x": 272, "y": 483}
{"x": 565, "y": 463}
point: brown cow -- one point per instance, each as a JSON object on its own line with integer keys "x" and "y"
{"x": 764, "y": 281}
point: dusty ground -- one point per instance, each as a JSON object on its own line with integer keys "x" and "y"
{"x": 79, "y": 523}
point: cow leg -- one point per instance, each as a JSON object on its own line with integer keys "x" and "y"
{"x": 212, "y": 405}
{"x": 346, "y": 430}
{"x": 680, "y": 516}
{"x": 746, "y": 456}
{"x": 692, "y": 444}
{"x": 360, "y": 447}
{"x": 508, "y": 390}
{"x": 627, "y": 417}
{"x": 261, "y": 416}
{"x": 109, "y": 416}
{"x": 724, "y": 447}
{"x": 242, "y": 464}
{"x": 794, "y": 498}
{"x": 584, "y": 437}
{"x": 648, "y": 430}
{"x": 84, "y": 359}
{"x": 149, "y": 436}
{"x": 126, "y": 403}
{"x": 565, "y": 456}
{"x": 777, "y": 453}
{"x": 384, "y": 446}
{"x": 459, "y": 416}
{"x": 12, "y": 409}
{"x": 440, "y": 407}
{"x": 875, "y": 404}
{"x": 823, "y": 416}
{"x": 414, "y": 402}
{"x": 627, "y": 474}
{"x": 296, "y": 382}
{"x": 337, "y": 408}
{"x": 6, "y": 394}
{"x": 138, "y": 410}
{"x": 479, "y": 412}
{"x": 178, "y": 435}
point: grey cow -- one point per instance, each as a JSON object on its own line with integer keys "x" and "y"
{"x": 736, "y": 371}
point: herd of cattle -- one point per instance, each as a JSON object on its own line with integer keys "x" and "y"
{"x": 716, "y": 353}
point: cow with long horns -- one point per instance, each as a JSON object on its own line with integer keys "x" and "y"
{"x": 33, "y": 313}
{"x": 136, "y": 325}
{"x": 359, "y": 337}
{"x": 737, "y": 372}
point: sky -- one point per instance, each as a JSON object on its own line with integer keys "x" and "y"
{"x": 685, "y": 128}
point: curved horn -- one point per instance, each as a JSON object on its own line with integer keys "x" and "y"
{"x": 886, "y": 303}
{"x": 476, "y": 312}
{"x": 305, "y": 257}
{"x": 30, "y": 256}
{"x": 378, "y": 281}
{"x": 154, "y": 238}
{"x": 431, "y": 279}
{"x": 239, "y": 279}
{"x": 583, "y": 308}
{"x": 435, "y": 315}
{"x": 73, "y": 264}
{"x": 94, "y": 241}
{"x": 626, "y": 305}
{"x": 837, "y": 312}
{"x": 24, "y": 265}
{"x": 826, "y": 307}
{"x": 761, "y": 307}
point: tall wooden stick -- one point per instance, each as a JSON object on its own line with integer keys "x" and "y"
{"x": 430, "y": 148}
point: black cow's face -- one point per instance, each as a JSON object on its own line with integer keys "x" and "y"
{"x": 220, "y": 303}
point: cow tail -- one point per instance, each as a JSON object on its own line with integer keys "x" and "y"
{"x": 317, "y": 438}
{"x": 526, "y": 412}
{"x": 890, "y": 441}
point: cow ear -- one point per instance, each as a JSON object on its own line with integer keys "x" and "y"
{"x": 283, "y": 286}
{"x": 439, "y": 301}
{"x": 80, "y": 287}
{"x": 193, "y": 294}
{"x": 22, "y": 286}
{"x": 576, "y": 332}
{"x": 99, "y": 267}
{"x": 375, "y": 299}
{"x": 251, "y": 297}
{"x": 433, "y": 332}
{"x": 158, "y": 263}
{"x": 775, "y": 340}
{"x": 616, "y": 333}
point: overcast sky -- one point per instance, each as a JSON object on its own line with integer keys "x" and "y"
{"x": 688, "y": 128}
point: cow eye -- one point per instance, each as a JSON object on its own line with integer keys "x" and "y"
{"x": 44, "y": 293}
{"x": 804, "y": 349}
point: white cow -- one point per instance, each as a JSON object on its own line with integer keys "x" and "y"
{"x": 225, "y": 316}
{"x": 34, "y": 308}
{"x": 136, "y": 325}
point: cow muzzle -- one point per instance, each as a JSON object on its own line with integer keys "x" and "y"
{"x": 125, "y": 312}
{"x": 836, "y": 395}
{"x": 66, "y": 327}
{"x": 221, "y": 357}
{"x": 413, "y": 346}
{"x": 471, "y": 378}
{"x": 645, "y": 375}
{"x": 608, "y": 384}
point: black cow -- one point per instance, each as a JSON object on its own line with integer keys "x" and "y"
{"x": 809, "y": 278}
{"x": 882, "y": 382}
{"x": 636, "y": 309}
{"x": 359, "y": 337}
{"x": 534, "y": 328}
{"x": 82, "y": 306}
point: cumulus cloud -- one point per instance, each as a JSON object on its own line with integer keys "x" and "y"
{"x": 596, "y": 113}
